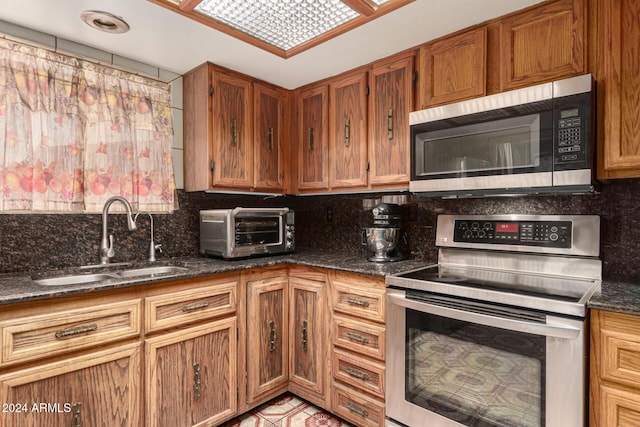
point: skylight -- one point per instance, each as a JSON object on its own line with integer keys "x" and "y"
{"x": 283, "y": 27}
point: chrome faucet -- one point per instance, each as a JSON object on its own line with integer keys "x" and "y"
{"x": 106, "y": 244}
{"x": 152, "y": 245}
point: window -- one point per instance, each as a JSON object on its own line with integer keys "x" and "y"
{"x": 74, "y": 133}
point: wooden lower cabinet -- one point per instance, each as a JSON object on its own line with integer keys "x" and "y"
{"x": 358, "y": 350}
{"x": 357, "y": 408}
{"x": 308, "y": 344}
{"x": 267, "y": 347}
{"x": 615, "y": 369}
{"x": 191, "y": 376}
{"x": 100, "y": 388}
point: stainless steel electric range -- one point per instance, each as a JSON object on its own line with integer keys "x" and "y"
{"x": 495, "y": 333}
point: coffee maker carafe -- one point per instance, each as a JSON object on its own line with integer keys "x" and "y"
{"x": 386, "y": 241}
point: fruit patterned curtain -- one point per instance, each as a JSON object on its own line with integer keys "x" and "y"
{"x": 74, "y": 133}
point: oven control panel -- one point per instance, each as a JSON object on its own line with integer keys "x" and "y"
{"x": 553, "y": 234}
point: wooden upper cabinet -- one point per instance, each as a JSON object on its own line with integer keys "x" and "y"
{"x": 348, "y": 131}
{"x": 390, "y": 102}
{"x": 218, "y": 124}
{"x": 543, "y": 43}
{"x": 312, "y": 146}
{"x": 232, "y": 137}
{"x": 453, "y": 68}
{"x": 619, "y": 87}
{"x": 267, "y": 128}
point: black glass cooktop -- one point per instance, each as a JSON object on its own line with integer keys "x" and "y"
{"x": 536, "y": 285}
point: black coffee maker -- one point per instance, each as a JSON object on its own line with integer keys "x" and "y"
{"x": 386, "y": 241}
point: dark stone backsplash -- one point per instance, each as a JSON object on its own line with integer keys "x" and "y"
{"x": 31, "y": 242}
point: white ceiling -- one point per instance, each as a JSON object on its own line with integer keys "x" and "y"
{"x": 167, "y": 40}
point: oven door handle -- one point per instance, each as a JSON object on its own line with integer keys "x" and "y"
{"x": 564, "y": 332}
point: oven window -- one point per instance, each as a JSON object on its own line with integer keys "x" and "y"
{"x": 476, "y": 375}
{"x": 257, "y": 230}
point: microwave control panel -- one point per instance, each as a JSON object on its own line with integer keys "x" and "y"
{"x": 570, "y": 141}
{"x": 572, "y": 127}
{"x": 554, "y": 234}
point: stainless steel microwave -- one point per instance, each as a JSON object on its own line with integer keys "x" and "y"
{"x": 245, "y": 232}
{"x": 533, "y": 140}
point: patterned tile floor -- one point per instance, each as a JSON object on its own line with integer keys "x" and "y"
{"x": 287, "y": 410}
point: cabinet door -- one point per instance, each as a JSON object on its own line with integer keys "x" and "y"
{"x": 232, "y": 153}
{"x": 312, "y": 147}
{"x": 307, "y": 333}
{"x": 269, "y": 111}
{"x": 267, "y": 336}
{"x": 348, "y": 132}
{"x": 543, "y": 44}
{"x": 453, "y": 69}
{"x": 620, "y": 74}
{"x": 390, "y": 102}
{"x": 96, "y": 389}
{"x": 191, "y": 376}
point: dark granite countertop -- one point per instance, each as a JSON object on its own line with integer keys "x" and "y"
{"x": 623, "y": 297}
{"x": 22, "y": 287}
{"x": 615, "y": 296}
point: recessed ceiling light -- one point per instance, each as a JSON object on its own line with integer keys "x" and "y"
{"x": 104, "y": 21}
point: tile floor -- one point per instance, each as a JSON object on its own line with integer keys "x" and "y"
{"x": 287, "y": 410}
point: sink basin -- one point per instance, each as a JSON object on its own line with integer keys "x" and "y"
{"x": 152, "y": 271}
{"x": 74, "y": 279}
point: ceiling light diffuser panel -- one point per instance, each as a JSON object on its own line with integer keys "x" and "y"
{"x": 283, "y": 27}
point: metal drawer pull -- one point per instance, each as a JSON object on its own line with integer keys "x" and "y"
{"x": 357, "y": 410}
{"x": 270, "y": 139}
{"x": 347, "y": 132}
{"x": 76, "y": 330}
{"x": 311, "y": 138}
{"x": 356, "y": 301}
{"x": 390, "y": 124}
{"x": 196, "y": 381}
{"x": 272, "y": 336}
{"x": 303, "y": 336}
{"x": 195, "y": 306}
{"x": 357, "y": 337}
{"x": 357, "y": 373}
{"x": 75, "y": 421}
{"x": 234, "y": 132}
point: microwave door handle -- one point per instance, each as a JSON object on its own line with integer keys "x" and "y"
{"x": 563, "y": 332}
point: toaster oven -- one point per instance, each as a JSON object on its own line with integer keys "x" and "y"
{"x": 245, "y": 232}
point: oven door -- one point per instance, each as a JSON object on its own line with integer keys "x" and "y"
{"x": 452, "y": 362}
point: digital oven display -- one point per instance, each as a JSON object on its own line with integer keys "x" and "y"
{"x": 507, "y": 228}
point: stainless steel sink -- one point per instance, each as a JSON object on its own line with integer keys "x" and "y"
{"x": 160, "y": 270}
{"x": 139, "y": 272}
{"x": 74, "y": 279}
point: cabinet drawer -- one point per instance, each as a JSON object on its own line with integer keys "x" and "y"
{"x": 215, "y": 298}
{"x": 620, "y": 343}
{"x": 365, "y": 303}
{"x": 360, "y": 337}
{"x": 357, "y": 408}
{"x": 68, "y": 330}
{"x": 357, "y": 372}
